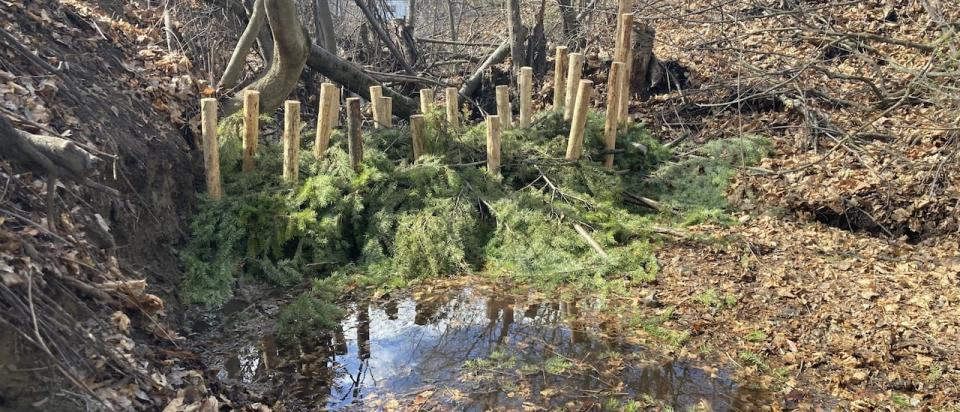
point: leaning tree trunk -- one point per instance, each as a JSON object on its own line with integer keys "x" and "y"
{"x": 238, "y": 60}
{"x": 356, "y": 80}
{"x": 518, "y": 35}
{"x": 290, "y": 52}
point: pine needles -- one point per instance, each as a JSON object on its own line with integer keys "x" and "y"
{"x": 397, "y": 221}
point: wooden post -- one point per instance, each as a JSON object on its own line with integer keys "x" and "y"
{"x": 453, "y": 107}
{"x": 623, "y": 7}
{"x": 574, "y": 71}
{"x": 560, "y": 78}
{"x": 624, "y": 54}
{"x": 211, "y": 146}
{"x": 526, "y": 96}
{"x": 376, "y": 108}
{"x": 613, "y": 112}
{"x": 504, "y": 111}
{"x": 326, "y": 117}
{"x": 354, "y": 137}
{"x": 624, "y": 30}
{"x": 575, "y": 142}
{"x": 493, "y": 144}
{"x": 426, "y": 100}
{"x": 417, "y": 127}
{"x": 251, "y": 127}
{"x": 291, "y": 141}
{"x": 625, "y": 90}
{"x": 386, "y": 111}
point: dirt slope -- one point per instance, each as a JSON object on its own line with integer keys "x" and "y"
{"x": 93, "y": 73}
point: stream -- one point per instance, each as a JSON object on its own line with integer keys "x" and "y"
{"x": 464, "y": 348}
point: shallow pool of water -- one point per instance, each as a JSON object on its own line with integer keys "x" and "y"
{"x": 465, "y": 349}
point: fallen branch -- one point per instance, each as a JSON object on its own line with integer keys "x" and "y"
{"x": 593, "y": 243}
{"x": 470, "y": 86}
{"x": 354, "y": 79}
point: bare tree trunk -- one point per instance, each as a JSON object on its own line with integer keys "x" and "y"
{"x": 411, "y": 15}
{"x": 518, "y": 35}
{"x": 453, "y": 20}
{"x": 470, "y": 86}
{"x": 290, "y": 52}
{"x": 537, "y": 44}
{"x": 378, "y": 28}
{"x": 173, "y": 40}
{"x": 325, "y": 32}
{"x": 571, "y": 27}
{"x": 356, "y": 80}
{"x": 231, "y": 75}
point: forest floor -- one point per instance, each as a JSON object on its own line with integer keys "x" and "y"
{"x": 838, "y": 287}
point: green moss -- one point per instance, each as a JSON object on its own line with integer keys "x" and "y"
{"x": 756, "y": 336}
{"x": 712, "y": 299}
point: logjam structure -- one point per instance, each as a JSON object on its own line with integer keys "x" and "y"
{"x": 769, "y": 202}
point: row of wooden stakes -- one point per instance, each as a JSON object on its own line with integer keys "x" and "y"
{"x": 572, "y": 94}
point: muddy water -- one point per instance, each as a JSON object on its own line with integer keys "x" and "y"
{"x": 463, "y": 349}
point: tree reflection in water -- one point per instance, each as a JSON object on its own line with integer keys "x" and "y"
{"x": 408, "y": 345}
{"x": 401, "y": 347}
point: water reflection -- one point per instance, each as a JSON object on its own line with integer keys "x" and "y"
{"x": 399, "y": 347}
{"x": 412, "y": 345}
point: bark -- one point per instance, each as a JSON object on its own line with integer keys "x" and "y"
{"x": 58, "y": 157}
{"x": 290, "y": 52}
{"x": 571, "y": 27}
{"x": 537, "y": 44}
{"x": 411, "y": 15}
{"x": 231, "y": 75}
{"x": 643, "y": 59}
{"x": 325, "y": 21}
{"x": 354, "y": 79}
{"x": 173, "y": 40}
{"x": 384, "y": 37}
{"x": 470, "y": 86}
{"x": 518, "y": 35}
{"x": 452, "y": 19}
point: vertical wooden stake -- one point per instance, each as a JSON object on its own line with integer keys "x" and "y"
{"x": 326, "y": 117}
{"x": 574, "y": 71}
{"x": 575, "y": 142}
{"x": 386, "y": 111}
{"x": 625, "y": 91}
{"x": 560, "y": 78}
{"x": 623, "y": 7}
{"x": 251, "y": 127}
{"x": 354, "y": 137}
{"x": 504, "y": 111}
{"x": 526, "y": 96}
{"x": 417, "y": 127}
{"x": 613, "y": 112}
{"x": 493, "y": 144}
{"x": 426, "y": 100}
{"x": 624, "y": 30}
{"x": 291, "y": 141}
{"x": 624, "y": 54}
{"x": 376, "y": 96}
{"x": 211, "y": 146}
{"x": 453, "y": 107}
